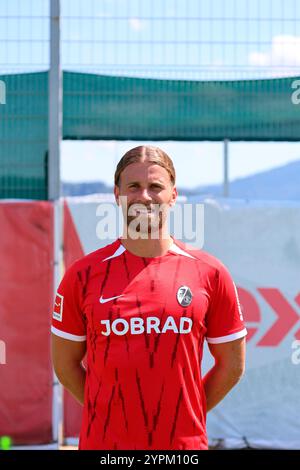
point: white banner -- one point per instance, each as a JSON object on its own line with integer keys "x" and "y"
{"x": 260, "y": 245}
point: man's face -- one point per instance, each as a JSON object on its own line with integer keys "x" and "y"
{"x": 145, "y": 193}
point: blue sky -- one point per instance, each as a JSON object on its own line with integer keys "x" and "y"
{"x": 179, "y": 39}
{"x": 196, "y": 163}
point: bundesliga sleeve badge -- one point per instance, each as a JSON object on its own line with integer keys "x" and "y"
{"x": 184, "y": 296}
{"x": 58, "y": 307}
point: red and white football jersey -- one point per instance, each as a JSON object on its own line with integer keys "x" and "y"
{"x": 145, "y": 321}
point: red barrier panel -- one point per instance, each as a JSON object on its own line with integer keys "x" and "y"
{"x": 26, "y": 296}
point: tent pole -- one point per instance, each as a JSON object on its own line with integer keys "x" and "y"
{"x": 55, "y": 103}
{"x": 225, "y": 169}
{"x": 54, "y": 140}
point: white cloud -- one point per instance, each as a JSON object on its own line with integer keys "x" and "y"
{"x": 136, "y": 24}
{"x": 258, "y": 58}
{"x": 284, "y": 52}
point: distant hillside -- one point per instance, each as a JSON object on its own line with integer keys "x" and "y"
{"x": 279, "y": 183}
{"x": 82, "y": 189}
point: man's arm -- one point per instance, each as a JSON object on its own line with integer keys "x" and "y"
{"x": 227, "y": 371}
{"x": 67, "y": 356}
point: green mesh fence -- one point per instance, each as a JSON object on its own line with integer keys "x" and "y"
{"x": 24, "y": 136}
{"x": 104, "y": 107}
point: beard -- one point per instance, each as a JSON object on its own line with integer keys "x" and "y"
{"x": 145, "y": 219}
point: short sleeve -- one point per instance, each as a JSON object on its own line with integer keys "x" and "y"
{"x": 224, "y": 319}
{"x": 67, "y": 319}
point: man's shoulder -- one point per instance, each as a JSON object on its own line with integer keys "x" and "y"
{"x": 201, "y": 256}
{"x": 95, "y": 257}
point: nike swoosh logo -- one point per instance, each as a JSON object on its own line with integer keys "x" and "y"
{"x": 57, "y": 304}
{"x": 103, "y": 301}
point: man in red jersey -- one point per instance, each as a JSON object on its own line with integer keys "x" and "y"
{"x": 142, "y": 307}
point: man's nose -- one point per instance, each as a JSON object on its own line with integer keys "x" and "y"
{"x": 144, "y": 195}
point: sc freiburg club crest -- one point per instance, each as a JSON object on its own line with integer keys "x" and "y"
{"x": 184, "y": 296}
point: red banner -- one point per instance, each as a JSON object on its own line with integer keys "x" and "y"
{"x": 26, "y": 277}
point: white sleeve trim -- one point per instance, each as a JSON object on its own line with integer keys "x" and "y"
{"x": 65, "y": 335}
{"x": 226, "y": 339}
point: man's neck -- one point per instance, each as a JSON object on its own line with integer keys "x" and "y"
{"x": 148, "y": 248}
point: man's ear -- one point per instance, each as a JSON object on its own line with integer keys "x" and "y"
{"x": 117, "y": 193}
{"x": 173, "y": 197}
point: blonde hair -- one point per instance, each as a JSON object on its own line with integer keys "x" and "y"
{"x": 146, "y": 153}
